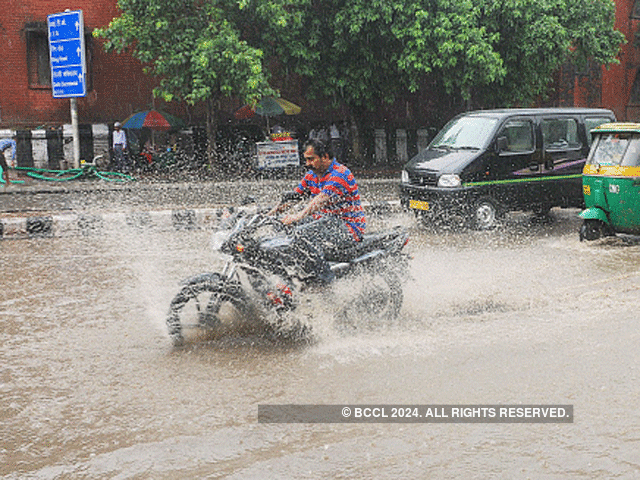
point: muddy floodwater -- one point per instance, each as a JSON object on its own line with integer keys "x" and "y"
{"x": 91, "y": 388}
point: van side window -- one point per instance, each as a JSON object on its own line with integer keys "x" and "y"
{"x": 560, "y": 134}
{"x": 516, "y": 136}
{"x": 592, "y": 122}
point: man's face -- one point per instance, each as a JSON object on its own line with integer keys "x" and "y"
{"x": 314, "y": 162}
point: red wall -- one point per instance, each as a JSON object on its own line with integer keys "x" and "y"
{"x": 618, "y": 79}
{"x": 119, "y": 86}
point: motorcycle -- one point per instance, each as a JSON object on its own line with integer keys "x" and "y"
{"x": 258, "y": 288}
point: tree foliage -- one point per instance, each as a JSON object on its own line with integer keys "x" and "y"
{"x": 200, "y": 50}
{"x": 380, "y": 49}
{"x": 359, "y": 52}
{"x": 493, "y": 52}
{"x": 535, "y": 37}
{"x": 194, "y": 49}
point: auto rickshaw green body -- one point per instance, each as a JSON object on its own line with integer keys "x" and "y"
{"x": 611, "y": 182}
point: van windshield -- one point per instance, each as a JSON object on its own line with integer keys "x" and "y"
{"x": 622, "y": 149}
{"x": 465, "y": 132}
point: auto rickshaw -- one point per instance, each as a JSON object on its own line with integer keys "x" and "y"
{"x": 611, "y": 182}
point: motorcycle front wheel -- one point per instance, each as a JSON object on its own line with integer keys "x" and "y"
{"x": 202, "y": 303}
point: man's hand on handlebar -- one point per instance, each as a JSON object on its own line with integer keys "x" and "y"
{"x": 287, "y": 201}
{"x": 316, "y": 204}
{"x": 292, "y": 217}
{"x": 286, "y": 219}
{"x": 313, "y": 206}
{"x": 277, "y": 209}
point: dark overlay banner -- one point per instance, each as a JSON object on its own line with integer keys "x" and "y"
{"x": 415, "y": 413}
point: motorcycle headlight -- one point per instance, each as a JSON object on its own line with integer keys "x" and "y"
{"x": 404, "y": 176}
{"x": 218, "y": 239}
{"x": 449, "y": 180}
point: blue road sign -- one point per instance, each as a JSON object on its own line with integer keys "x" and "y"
{"x": 67, "y": 54}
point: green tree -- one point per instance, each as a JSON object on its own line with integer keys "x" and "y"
{"x": 194, "y": 48}
{"x": 359, "y": 53}
{"x": 465, "y": 52}
{"x": 535, "y": 37}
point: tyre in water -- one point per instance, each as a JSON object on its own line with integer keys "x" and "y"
{"x": 591, "y": 230}
{"x": 485, "y": 214}
{"x": 200, "y": 306}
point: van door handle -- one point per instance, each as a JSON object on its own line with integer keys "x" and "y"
{"x": 534, "y": 167}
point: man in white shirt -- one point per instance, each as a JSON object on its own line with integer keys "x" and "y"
{"x": 119, "y": 147}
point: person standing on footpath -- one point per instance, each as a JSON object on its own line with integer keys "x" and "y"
{"x": 5, "y": 168}
{"x": 6, "y": 144}
{"x": 119, "y": 147}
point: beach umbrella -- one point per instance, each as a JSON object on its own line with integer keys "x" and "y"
{"x": 154, "y": 120}
{"x": 268, "y": 107}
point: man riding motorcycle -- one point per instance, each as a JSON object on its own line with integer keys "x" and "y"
{"x": 332, "y": 220}
{"x": 266, "y": 266}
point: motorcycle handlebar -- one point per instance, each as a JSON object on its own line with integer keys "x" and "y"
{"x": 261, "y": 220}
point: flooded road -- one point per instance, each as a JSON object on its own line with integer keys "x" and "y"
{"x": 91, "y": 388}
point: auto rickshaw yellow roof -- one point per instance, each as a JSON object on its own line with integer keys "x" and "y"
{"x": 618, "y": 127}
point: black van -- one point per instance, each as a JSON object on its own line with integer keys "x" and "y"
{"x": 487, "y": 162}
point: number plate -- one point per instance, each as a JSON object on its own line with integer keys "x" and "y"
{"x": 418, "y": 205}
{"x": 586, "y": 189}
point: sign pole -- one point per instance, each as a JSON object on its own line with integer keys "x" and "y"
{"x": 68, "y": 65}
{"x": 76, "y": 132}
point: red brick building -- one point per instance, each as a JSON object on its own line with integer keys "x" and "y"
{"x": 116, "y": 85}
{"x": 621, "y": 83}
{"x": 616, "y": 87}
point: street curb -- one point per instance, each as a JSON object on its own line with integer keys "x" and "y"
{"x": 62, "y": 225}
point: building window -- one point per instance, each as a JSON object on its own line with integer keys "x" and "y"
{"x": 634, "y": 98}
{"x": 38, "y": 62}
{"x": 38, "y": 65}
{"x": 635, "y": 12}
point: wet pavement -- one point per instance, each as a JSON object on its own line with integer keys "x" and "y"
{"x": 39, "y": 196}
{"x": 45, "y": 208}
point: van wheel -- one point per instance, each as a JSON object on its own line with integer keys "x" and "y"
{"x": 607, "y": 231}
{"x": 591, "y": 230}
{"x": 485, "y": 214}
{"x": 541, "y": 210}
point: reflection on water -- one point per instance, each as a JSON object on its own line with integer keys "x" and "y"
{"x": 91, "y": 388}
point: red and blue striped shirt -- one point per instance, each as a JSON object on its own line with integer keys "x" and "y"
{"x": 339, "y": 184}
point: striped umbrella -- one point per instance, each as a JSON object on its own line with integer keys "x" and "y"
{"x": 268, "y": 107}
{"x": 154, "y": 120}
